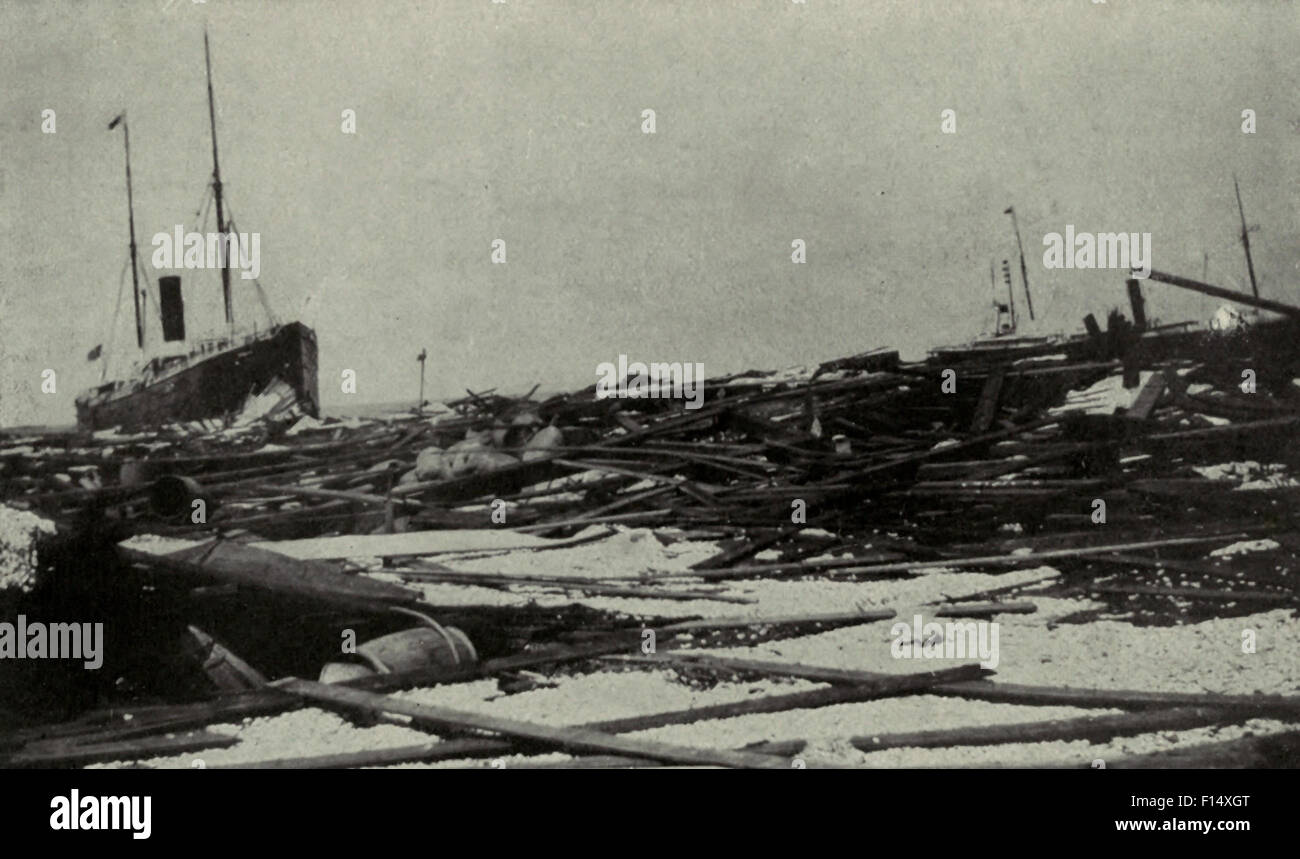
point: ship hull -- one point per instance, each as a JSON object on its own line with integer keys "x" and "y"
{"x": 215, "y": 386}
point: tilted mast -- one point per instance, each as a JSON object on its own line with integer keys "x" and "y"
{"x": 130, "y": 216}
{"x": 1245, "y": 239}
{"x": 216, "y": 186}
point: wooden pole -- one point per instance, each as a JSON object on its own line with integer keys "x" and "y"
{"x": 419, "y": 409}
{"x": 1230, "y": 295}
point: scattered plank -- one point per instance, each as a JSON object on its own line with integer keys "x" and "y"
{"x": 53, "y": 754}
{"x": 1093, "y": 728}
{"x": 565, "y": 739}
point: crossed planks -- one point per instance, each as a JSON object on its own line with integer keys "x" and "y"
{"x": 601, "y": 738}
{"x": 597, "y": 740}
{"x": 1154, "y": 711}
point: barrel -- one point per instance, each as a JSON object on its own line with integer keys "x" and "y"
{"x": 421, "y": 647}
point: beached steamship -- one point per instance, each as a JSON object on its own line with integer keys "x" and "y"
{"x": 213, "y": 378}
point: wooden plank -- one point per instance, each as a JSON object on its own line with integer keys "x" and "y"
{"x": 56, "y": 753}
{"x": 1191, "y": 593}
{"x": 333, "y": 494}
{"x": 224, "y": 667}
{"x": 1147, "y": 397}
{"x": 434, "y": 750}
{"x": 854, "y": 566}
{"x": 886, "y": 683}
{"x": 1269, "y": 751}
{"x": 441, "y": 750}
{"x": 413, "y": 543}
{"x": 556, "y": 583}
{"x": 127, "y": 722}
{"x": 987, "y": 609}
{"x": 1094, "y": 728}
{"x": 987, "y": 408}
{"x": 584, "y": 762}
{"x": 1064, "y": 696}
{"x": 838, "y": 617}
{"x": 746, "y": 549}
{"x": 567, "y": 739}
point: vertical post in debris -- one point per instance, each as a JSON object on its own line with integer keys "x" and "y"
{"x": 1094, "y": 335}
{"x": 1011, "y": 295}
{"x": 1139, "y": 306}
{"x": 419, "y": 409}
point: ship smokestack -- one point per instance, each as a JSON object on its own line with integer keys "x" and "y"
{"x": 172, "y": 307}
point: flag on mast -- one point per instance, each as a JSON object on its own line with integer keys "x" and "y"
{"x": 116, "y": 120}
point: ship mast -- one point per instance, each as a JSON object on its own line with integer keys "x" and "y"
{"x": 130, "y": 216}
{"x": 1245, "y": 239}
{"x": 1029, "y": 301}
{"x": 216, "y": 188}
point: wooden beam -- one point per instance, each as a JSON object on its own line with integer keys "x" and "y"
{"x": 1147, "y": 398}
{"x": 1230, "y": 295}
{"x": 567, "y": 739}
{"x": 62, "y": 753}
{"x": 1063, "y": 696}
{"x": 886, "y": 683}
{"x": 854, "y": 566}
{"x": 1094, "y": 728}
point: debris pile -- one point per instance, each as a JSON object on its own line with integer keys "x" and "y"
{"x": 503, "y": 546}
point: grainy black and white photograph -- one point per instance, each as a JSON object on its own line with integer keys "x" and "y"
{"x": 650, "y": 384}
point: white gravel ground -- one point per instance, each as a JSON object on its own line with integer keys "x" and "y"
{"x": 1033, "y": 649}
{"x": 19, "y": 531}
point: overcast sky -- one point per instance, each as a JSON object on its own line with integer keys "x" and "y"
{"x": 522, "y": 121}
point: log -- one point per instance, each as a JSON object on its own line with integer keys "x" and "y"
{"x": 249, "y": 566}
